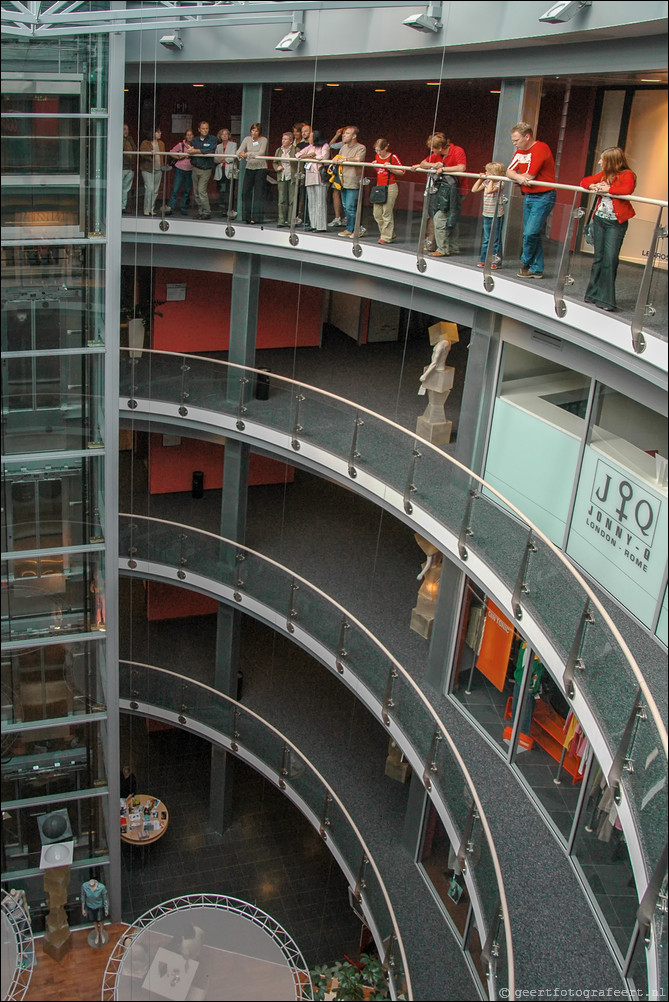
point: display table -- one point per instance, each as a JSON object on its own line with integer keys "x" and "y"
{"x": 139, "y": 828}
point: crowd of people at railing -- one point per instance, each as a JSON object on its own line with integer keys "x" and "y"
{"x": 305, "y": 168}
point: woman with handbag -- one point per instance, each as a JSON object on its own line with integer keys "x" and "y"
{"x": 384, "y": 193}
{"x": 316, "y": 185}
{"x": 609, "y": 224}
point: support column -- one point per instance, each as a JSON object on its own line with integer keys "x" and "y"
{"x": 234, "y": 496}
{"x": 519, "y": 101}
{"x": 255, "y": 108}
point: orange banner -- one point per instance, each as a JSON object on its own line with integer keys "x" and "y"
{"x": 493, "y": 659}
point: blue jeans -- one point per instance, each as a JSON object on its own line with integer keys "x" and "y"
{"x": 536, "y": 209}
{"x": 487, "y": 229}
{"x": 349, "y": 201}
{"x": 608, "y": 235}
{"x": 182, "y": 179}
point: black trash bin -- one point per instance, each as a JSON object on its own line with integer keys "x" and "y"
{"x": 262, "y": 384}
{"x": 197, "y": 484}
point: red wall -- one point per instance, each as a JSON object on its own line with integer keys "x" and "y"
{"x": 164, "y": 601}
{"x": 202, "y": 321}
{"x": 171, "y": 467}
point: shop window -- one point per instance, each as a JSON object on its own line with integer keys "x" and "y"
{"x": 438, "y": 857}
{"x": 488, "y": 647}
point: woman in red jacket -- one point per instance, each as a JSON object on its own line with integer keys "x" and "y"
{"x": 609, "y": 220}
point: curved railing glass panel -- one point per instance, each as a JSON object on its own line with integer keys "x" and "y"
{"x": 251, "y": 737}
{"x": 463, "y": 515}
{"x": 642, "y": 281}
{"x": 264, "y": 588}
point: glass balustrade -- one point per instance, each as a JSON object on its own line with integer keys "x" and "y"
{"x": 165, "y": 690}
{"x": 641, "y": 290}
{"x": 427, "y": 478}
{"x": 351, "y": 646}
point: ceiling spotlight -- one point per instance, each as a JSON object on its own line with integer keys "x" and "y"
{"x": 564, "y": 11}
{"x": 172, "y": 41}
{"x": 429, "y": 21}
{"x": 295, "y": 36}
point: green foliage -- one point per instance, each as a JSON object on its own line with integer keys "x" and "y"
{"x": 352, "y": 980}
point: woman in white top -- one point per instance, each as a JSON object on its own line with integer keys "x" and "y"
{"x": 255, "y": 176}
{"x": 226, "y": 170}
{"x": 317, "y": 188}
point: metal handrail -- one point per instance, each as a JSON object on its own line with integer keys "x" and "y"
{"x": 215, "y": 694}
{"x": 579, "y": 581}
{"x": 543, "y": 185}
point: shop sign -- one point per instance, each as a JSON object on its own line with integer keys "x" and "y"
{"x": 498, "y": 634}
{"x": 618, "y": 533}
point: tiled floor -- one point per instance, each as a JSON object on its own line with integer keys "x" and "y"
{"x": 270, "y": 856}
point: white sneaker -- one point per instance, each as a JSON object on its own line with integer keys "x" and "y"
{"x": 363, "y": 231}
{"x": 428, "y": 245}
{"x": 335, "y": 222}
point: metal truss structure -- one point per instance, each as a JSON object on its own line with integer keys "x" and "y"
{"x": 294, "y": 959}
{"x": 17, "y": 923}
{"x": 47, "y": 19}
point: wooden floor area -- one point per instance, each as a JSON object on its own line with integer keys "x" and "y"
{"x": 78, "y": 977}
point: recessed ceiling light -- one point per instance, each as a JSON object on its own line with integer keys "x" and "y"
{"x": 126, "y": 89}
{"x": 198, "y": 85}
{"x": 432, "y": 83}
{"x": 495, "y": 92}
{"x": 278, "y": 88}
{"x": 332, "y": 85}
{"x": 379, "y": 90}
{"x": 650, "y": 80}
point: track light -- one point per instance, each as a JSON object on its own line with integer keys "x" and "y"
{"x": 564, "y": 11}
{"x": 295, "y": 36}
{"x": 172, "y": 41}
{"x": 429, "y": 21}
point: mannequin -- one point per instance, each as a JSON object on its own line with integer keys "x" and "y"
{"x": 95, "y": 900}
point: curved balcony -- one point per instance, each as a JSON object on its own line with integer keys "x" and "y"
{"x": 154, "y": 691}
{"x": 266, "y": 590}
{"x": 636, "y": 336}
{"x": 489, "y": 538}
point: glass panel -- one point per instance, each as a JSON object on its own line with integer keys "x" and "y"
{"x": 439, "y": 860}
{"x": 483, "y": 870}
{"x": 367, "y": 662}
{"x": 53, "y": 405}
{"x": 37, "y": 901}
{"x": 21, "y": 834}
{"x": 58, "y": 680}
{"x": 607, "y": 681}
{"x": 551, "y": 749}
{"x": 646, "y": 788}
{"x": 498, "y": 537}
{"x": 53, "y": 760}
{"x": 44, "y": 145}
{"x": 473, "y": 946}
{"x": 601, "y": 851}
{"x": 47, "y": 595}
{"x": 450, "y": 782}
{"x": 52, "y": 505}
{"x": 42, "y": 309}
{"x": 547, "y": 576}
{"x": 486, "y": 661}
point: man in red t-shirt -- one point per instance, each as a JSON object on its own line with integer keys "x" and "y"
{"x": 532, "y": 161}
{"x": 449, "y": 159}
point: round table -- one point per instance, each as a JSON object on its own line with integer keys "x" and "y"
{"x": 134, "y": 831}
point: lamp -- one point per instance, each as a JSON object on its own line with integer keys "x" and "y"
{"x": 564, "y": 11}
{"x": 173, "y": 41}
{"x": 429, "y": 21}
{"x": 295, "y": 36}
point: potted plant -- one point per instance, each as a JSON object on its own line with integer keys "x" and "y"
{"x": 346, "y": 980}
